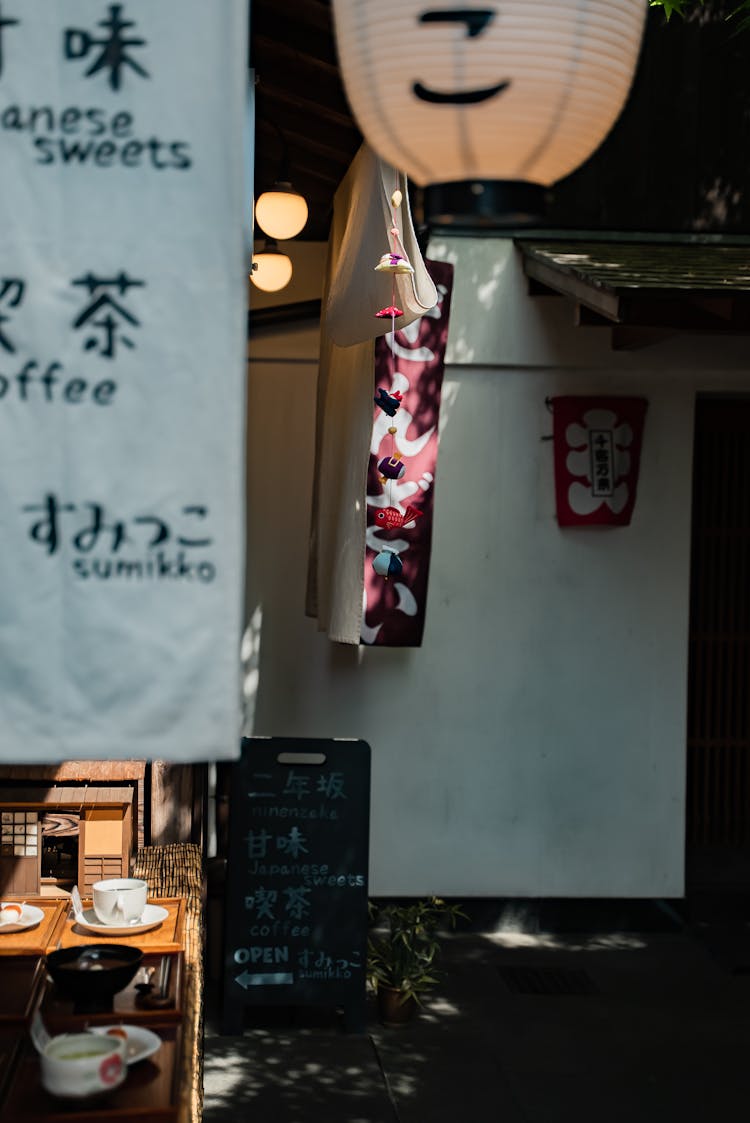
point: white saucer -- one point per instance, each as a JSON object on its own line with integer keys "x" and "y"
{"x": 29, "y": 918}
{"x": 141, "y": 1042}
{"x": 153, "y": 915}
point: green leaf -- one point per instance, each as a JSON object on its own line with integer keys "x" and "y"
{"x": 670, "y": 6}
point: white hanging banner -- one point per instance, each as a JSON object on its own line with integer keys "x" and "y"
{"x": 122, "y": 368}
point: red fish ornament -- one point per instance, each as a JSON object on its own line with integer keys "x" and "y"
{"x": 390, "y": 518}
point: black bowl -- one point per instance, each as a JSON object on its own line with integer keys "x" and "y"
{"x": 92, "y": 975}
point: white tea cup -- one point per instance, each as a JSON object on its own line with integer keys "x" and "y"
{"x": 119, "y": 900}
{"x": 83, "y": 1064}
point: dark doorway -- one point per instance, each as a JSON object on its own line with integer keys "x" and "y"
{"x": 60, "y": 837}
{"x": 718, "y": 760}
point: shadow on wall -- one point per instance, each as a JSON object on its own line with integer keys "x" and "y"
{"x": 250, "y": 656}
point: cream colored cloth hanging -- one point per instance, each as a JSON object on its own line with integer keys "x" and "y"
{"x": 353, "y": 292}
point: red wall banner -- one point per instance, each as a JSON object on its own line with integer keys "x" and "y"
{"x": 401, "y": 474}
{"x": 597, "y": 456}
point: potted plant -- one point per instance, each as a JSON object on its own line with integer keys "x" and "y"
{"x": 401, "y": 954}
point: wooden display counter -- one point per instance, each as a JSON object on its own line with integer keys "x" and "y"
{"x": 154, "y": 1090}
{"x": 46, "y": 935}
{"x": 168, "y": 937}
{"x": 127, "y": 1006}
{"x": 149, "y": 1094}
{"x": 21, "y": 983}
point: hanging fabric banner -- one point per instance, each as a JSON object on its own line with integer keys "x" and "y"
{"x": 122, "y": 362}
{"x": 597, "y": 455}
{"x": 409, "y": 368}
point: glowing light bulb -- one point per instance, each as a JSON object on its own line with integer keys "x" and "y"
{"x": 282, "y": 212}
{"x": 271, "y": 269}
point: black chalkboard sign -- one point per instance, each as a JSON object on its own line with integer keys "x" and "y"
{"x": 297, "y": 877}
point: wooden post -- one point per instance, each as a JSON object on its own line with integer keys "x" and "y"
{"x": 171, "y": 803}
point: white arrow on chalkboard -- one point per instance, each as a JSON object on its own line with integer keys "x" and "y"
{"x": 264, "y": 979}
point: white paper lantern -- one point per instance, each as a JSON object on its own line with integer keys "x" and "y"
{"x": 521, "y": 92}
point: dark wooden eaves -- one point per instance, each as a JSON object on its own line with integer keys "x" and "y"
{"x": 693, "y": 287}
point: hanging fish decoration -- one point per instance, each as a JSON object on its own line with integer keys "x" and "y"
{"x": 390, "y": 518}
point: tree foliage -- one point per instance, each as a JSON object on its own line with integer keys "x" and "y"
{"x": 683, "y": 8}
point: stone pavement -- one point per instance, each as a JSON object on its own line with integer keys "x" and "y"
{"x": 532, "y": 1023}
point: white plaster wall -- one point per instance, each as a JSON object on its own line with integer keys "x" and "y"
{"x": 535, "y": 744}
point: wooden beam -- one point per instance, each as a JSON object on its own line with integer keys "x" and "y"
{"x": 87, "y": 770}
{"x": 604, "y": 302}
{"x": 311, "y": 32}
{"x": 171, "y": 803}
{"x": 277, "y": 54}
{"x": 585, "y": 317}
{"x": 336, "y": 141}
{"x": 292, "y": 313}
{"x": 298, "y": 97}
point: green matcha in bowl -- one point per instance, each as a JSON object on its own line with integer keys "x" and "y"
{"x": 75, "y": 1065}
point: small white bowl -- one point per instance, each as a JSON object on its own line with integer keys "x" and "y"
{"x": 75, "y": 1065}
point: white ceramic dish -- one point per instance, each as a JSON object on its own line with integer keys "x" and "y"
{"x": 119, "y": 900}
{"x": 153, "y": 916}
{"x": 139, "y": 1044}
{"x": 29, "y": 918}
{"x": 74, "y": 1067}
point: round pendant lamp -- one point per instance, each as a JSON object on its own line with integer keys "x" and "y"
{"x": 487, "y": 107}
{"x": 281, "y": 212}
{"x": 271, "y": 270}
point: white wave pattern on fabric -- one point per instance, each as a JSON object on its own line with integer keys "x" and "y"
{"x": 569, "y": 66}
{"x": 407, "y": 602}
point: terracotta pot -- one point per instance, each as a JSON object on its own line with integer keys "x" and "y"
{"x": 392, "y": 1011}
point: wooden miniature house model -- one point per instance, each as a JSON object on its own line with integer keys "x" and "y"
{"x": 65, "y": 831}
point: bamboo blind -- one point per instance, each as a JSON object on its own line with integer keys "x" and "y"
{"x": 177, "y": 871}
